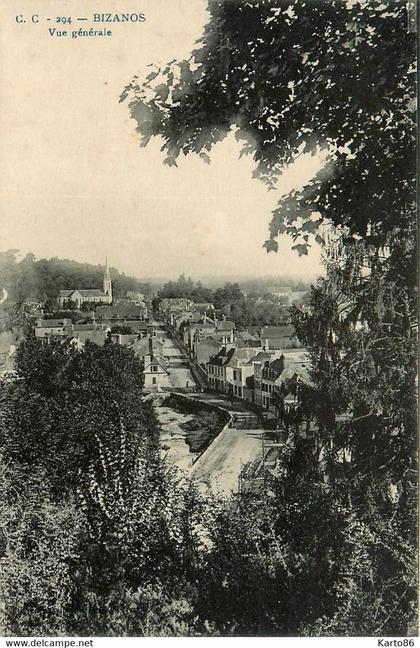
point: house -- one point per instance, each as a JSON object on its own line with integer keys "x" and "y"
{"x": 64, "y": 328}
{"x": 146, "y": 345}
{"x": 271, "y": 371}
{"x": 240, "y": 368}
{"x": 174, "y": 306}
{"x": 206, "y": 348}
{"x": 205, "y": 308}
{"x": 155, "y": 372}
{"x": 216, "y": 369}
{"x": 225, "y": 331}
{"x": 246, "y": 336}
{"x": 138, "y": 327}
{"x": 121, "y": 311}
{"x": 53, "y": 327}
{"x": 283, "y": 374}
{"x": 197, "y": 330}
{"x": 79, "y": 296}
{"x": 279, "y": 337}
{"x": 228, "y": 369}
{"x": 258, "y": 362}
{"x": 123, "y": 339}
{"x": 135, "y": 296}
{"x": 255, "y": 344}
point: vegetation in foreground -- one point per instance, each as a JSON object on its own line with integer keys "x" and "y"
{"x": 100, "y": 538}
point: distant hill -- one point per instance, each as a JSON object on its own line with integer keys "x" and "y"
{"x": 32, "y": 279}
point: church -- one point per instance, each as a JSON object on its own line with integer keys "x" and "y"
{"x": 79, "y": 296}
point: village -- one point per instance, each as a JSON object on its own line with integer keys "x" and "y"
{"x": 249, "y": 375}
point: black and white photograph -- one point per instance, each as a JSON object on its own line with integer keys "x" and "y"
{"x": 208, "y": 321}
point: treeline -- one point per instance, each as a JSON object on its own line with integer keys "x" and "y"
{"x": 39, "y": 280}
{"x": 229, "y": 300}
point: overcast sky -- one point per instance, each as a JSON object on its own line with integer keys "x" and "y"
{"x": 75, "y": 183}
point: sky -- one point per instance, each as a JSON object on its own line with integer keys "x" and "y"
{"x": 74, "y": 181}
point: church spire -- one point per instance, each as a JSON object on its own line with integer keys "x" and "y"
{"x": 107, "y": 281}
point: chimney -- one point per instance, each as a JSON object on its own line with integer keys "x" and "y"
{"x": 151, "y": 345}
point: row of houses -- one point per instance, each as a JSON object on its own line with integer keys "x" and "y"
{"x": 259, "y": 376}
{"x": 256, "y": 364}
{"x": 96, "y": 331}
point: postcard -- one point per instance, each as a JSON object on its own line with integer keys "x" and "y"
{"x": 208, "y": 321}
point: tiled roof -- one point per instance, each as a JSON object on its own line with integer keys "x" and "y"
{"x": 141, "y": 347}
{"x": 50, "y": 323}
{"x": 241, "y": 357}
{"x": 274, "y": 369}
{"x": 260, "y": 357}
{"x": 222, "y": 357}
{"x": 297, "y": 370}
{"x": 202, "y": 325}
{"x": 122, "y": 310}
{"x": 154, "y": 359}
{"x": 91, "y": 292}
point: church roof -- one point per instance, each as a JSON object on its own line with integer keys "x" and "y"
{"x": 85, "y": 292}
{"x": 66, "y": 293}
{"x": 91, "y": 292}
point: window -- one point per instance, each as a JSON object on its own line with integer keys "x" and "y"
{"x": 153, "y": 368}
{"x": 154, "y": 381}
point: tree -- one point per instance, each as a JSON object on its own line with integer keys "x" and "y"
{"x": 66, "y": 403}
{"x": 308, "y": 89}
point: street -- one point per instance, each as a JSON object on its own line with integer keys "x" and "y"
{"x": 220, "y": 465}
{"x": 180, "y": 376}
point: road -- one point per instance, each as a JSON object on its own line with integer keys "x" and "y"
{"x": 219, "y": 467}
{"x": 180, "y": 375}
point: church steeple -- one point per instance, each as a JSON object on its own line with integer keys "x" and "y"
{"x": 107, "y": 281}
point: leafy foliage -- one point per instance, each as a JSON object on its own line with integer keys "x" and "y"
{"x": 310, "y": 89}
